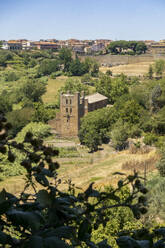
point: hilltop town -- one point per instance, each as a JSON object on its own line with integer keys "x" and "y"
{"x": 82, "y": 47}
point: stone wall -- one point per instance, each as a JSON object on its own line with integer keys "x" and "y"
{"x": 112, "y": 60}
{"x": 97, "y": 105}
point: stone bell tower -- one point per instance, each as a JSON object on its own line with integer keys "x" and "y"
{"x": 71, "y": 110}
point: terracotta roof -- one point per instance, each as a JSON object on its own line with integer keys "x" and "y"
{"x": 95, "y": 98}
{"x": 13, "y": 42}
{"x": 44, "y": 43}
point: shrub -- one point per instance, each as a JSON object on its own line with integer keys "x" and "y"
{"x": 56, "y": 74}
{"x": 155, "y": 198}
{"x": 150, "y": 139}
{"x": 109, "y": 72}
{"x": 161, "y": 164}
{"x": 9, "y": 169}
{"x": 120, "y": 219}
{"x": 119, "y": 136}
{"x": 134, "y": 131}
{"x": 18, "y": 119}
{"x": 48, "y": 66}
{"x": 68, "y": 152}
{"x": 137, "y": 148}
{"x": 138, "y": 165}
{"x": 161, "y": 142}
{"x": 38, "y": 129}
{"x": 43, "y": 113}
{"x": 11, "y": 76}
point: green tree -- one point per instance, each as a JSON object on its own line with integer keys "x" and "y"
{"x": 32, "y": 63}
{"x": 42, "y": 113}
{"x": 161, "y": 164}
{"x": 113, "y": 88}
{"x": 65, "y": 56}
{"x": 19, "y": 119}
{"x": 94, "y": 70}
{"x": 32, "y": 90}
{"x": 154, "y": 98}
{"x": 131, "y": 112}
{"x": 109, "y": 72}
{"x": 5, "y": 102}
{"x": 140, "y": 48}
{"x": 74, "y": 85}
{"x": 119, "y": 220}
{"x": 4, "y": 57}
{"x": 122, "y": 46}
{"x": 119, "y": 135}
{"x": 11, "y": 76}
{"x": 159, "y": 121}
{"x": 103, "y": 86}
{"x": 77, "y": 68}
{"x": 118, "y": 88}
{"x": 90, "y": 137}
{"x": 150, "y": 72}
{"x": 159, "y": 67}
{"x": 95, "y": 126}
{"x": 86, "y": 79}
{"x": 48, "y": 66}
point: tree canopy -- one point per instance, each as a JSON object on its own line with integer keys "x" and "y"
{"x": 127, "y": 47}
{"x": 50, "y": 217}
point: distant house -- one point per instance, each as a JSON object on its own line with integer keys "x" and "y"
{"x": 88, "y": 50}
{"x": 72, "y": 108}
{"x": 97, "y": 47}
{"x": 12, "y": 45}
{"x": 41, "y": 45}
{"x": 78, "y": 49}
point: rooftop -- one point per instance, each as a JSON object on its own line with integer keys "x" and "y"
{"x": 96, "y": 97}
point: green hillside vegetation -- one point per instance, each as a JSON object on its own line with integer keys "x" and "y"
{"x": 137, "y": 111}
{"x": 123, "y": 47}
{"x": 48, "y": 216}
{"x": 130, "y": 133}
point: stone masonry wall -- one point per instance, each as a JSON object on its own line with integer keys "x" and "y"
{"x": 113, "y": 60}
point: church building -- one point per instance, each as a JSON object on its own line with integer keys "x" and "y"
{"x": 72, "y": 108}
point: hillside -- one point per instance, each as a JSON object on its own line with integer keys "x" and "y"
{"x": 83, "y": 167}
{"x": 137, "y": 69}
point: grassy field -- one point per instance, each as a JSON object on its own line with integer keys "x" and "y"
{"x": 54, "y": 85}
{"x": 100, "y": 166}
{"x": 138, "y": 69}
{"x": 95, "y": 167}
{"x": 52, "y": 88}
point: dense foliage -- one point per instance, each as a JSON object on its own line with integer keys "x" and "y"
{"x": 127, "y": 47}
{"x": 138, "y": 110}
{"x": 50, "y": 217}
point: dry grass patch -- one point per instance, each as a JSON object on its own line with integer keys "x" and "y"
{"x": 148, "y": 164}
{"x": 141, "y": 150}
{"x": 137, "y": 69}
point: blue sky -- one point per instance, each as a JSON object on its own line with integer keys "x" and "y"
{"x": 82, "y": 19}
